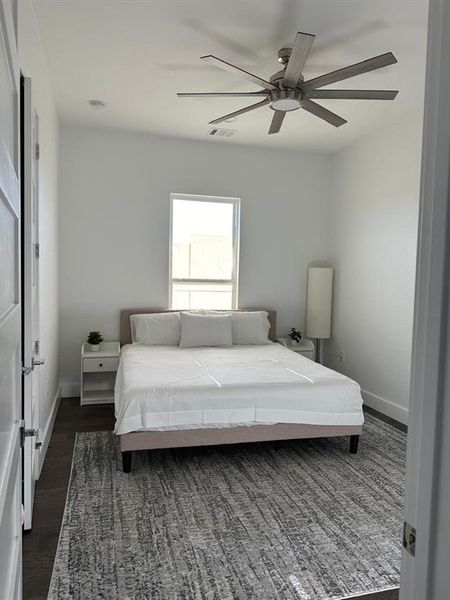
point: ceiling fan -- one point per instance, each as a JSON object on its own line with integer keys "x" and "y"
{"x": 287, "y": 90}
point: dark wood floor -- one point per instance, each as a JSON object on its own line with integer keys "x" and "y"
{"x": 39, "y": 545}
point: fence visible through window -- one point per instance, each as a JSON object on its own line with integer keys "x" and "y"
{"x": 204, "y": 252}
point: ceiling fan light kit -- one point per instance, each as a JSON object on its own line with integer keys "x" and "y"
{"x": 285, "y": 100}
{"x": 287, "y": 90}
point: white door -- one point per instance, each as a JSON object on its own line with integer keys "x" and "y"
{"x": 30, "y": 298}
{"x": 10, "y": 314}
{"x": 425, "y": 564}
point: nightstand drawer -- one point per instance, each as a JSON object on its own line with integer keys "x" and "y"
{"x": 100, "y": 364}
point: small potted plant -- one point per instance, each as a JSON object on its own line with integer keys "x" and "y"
{"x": 94, "y": 339}
{"x": 295, "y": 336}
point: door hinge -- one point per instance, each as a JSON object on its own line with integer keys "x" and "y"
{"x": 409, "y": 538}
{"x": 36, "y": 347}
{"x": 24, "y": 433}
{"x": 37, "y": 250}
{"x": 38, "y": 151}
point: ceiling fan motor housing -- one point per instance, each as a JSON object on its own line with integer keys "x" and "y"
{"x": 286, "y": 100}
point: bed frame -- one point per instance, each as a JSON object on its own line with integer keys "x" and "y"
{"x": 152, "y": 440}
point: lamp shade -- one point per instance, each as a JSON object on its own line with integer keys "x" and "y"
{"x": 318, "y": 303}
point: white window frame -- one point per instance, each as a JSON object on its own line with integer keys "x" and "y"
{"x": 234, "y": 281}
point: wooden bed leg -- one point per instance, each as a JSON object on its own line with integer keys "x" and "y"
{"x": 126, "y": 461}
{"x": 354, "y": 439}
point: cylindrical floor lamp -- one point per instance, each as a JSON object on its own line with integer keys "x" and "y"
{"x": 318, "y": 306}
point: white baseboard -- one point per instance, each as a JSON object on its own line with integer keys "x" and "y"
{"x": 386, "y": 407}
{"x": 47, "y": 432}
{"x": 70, "y": 390}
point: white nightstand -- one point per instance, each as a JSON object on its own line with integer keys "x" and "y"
{"x": 305, "y": 347}
{"x": 98, "y": 373}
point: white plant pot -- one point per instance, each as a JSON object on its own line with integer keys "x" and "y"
{"x": 292, "y": 342}
{"x": 94, "y": 347}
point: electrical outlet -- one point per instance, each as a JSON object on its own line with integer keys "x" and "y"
{"x": 341, "y": 356}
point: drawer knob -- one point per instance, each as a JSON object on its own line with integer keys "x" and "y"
{"x": 100, "y": 364}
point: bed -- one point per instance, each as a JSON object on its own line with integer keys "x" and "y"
{"x": 168, "y": 397}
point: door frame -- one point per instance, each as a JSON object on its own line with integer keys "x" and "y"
{"x": 426, "y": 575}
{"x": 30, "y": 295}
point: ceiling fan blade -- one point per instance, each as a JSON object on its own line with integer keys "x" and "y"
{"x": 277, "y": 121}
{"x": 220, "y": 94}
{"x": 223, "y": 64}
{"x": 323, "y": 113}
{"x": 300, "y": 51}
{"x": 241, "y": 111}
{"x": 354, "y": 94}
{"x": 365, "y": 66}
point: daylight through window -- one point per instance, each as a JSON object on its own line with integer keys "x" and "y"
{"x": 204, "y": 252}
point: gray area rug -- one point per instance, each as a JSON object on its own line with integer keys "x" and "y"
{"x": 302, "y": 520}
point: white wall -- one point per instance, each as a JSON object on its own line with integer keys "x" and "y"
{"x": 32, "y": 64}
{"x": 373, "y": 236}
{"x": 114, "y": 225}
{"x": 357, "y": 209}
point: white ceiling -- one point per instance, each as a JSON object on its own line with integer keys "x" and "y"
{"x": 136, "y": 54}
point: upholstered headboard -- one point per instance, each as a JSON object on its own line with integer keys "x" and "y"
{"x": 125, "y": 324}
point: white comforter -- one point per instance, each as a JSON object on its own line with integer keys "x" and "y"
{"x": 171, "y": 387}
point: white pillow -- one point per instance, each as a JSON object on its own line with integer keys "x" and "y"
{"x": 157, "y": 329}
{"x": 250, "y": 327}
{"x": 205, "y": 330}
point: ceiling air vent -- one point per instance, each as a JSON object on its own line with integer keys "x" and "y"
{"x": 222, "y": 132}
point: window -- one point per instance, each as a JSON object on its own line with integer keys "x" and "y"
{"x": 204, "y": 252}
